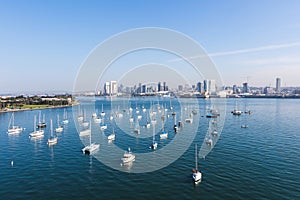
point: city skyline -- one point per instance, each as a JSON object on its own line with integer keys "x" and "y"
{"x": 206, "y": 88}
{"x": 45, "y": 43}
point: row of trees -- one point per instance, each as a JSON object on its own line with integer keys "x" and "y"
{"x": 20, "y": 101}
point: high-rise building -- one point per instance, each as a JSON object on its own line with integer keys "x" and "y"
{"x": 159, "y": 88}
{"x": 234, "y": 89}
{"x": 113, "y": 88}
{"x": 209, "y": 86}
{"x": 144, "y": 89}
{"x": 165, "y": 85}
{"x": 110, "y": 88}
{"x": 278, "y": 85}
{"x": 180, "y": 88}
{"x": 107, "y": 88}
{"x": 245, "y": 88}
{"x": 199, "y": 87}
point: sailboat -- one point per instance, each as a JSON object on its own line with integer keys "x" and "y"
{"x": 147, "y": 123}
{"x": 102, "y": 113}
{"x": 214, "y": 133}
{"x": 189, "y": 119}
{"x": 171, "y": 107}
{"x": 103, "y": 126}
{"x": 52, "y": 139}
{"x": 92, "y": 147}
{"x": 236, "y": 111}
{"x": 175, "y": 127}
{"x": 112, "y": 136}
{"x": 164, "y": 134}
{"x": 128, "y": 157}
{"x": 197, "y": 175}
{"x": 97, "y": 120}
{"x": 84, "y": 122}
{"x": 12, "y": 129}
{"x": 119, "y": 114}
{"x": 59, "y": 128}
{"x": 154, "y": 143}
{"x": 36, "y": 133}
{"x": 65, "y": 121}
{"x": 137, "y": 128}
{"x": 209, "y": 141}
{"x": 130, "y": 113}
{"x": 41, "y": 124}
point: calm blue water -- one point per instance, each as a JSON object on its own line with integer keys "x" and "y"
{"x": 260, "y": 162}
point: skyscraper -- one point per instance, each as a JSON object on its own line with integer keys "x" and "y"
{"x": 110, "y": 88}
{"x": 113, "y": 87}
{"x": 106, "y": 88}
{"x": 209, "y": 86}
{"x": 159, "y": 88}
{"x": 234, "y": 89}
{"x": 199, "y": 87}
{"x": 278, "y": 85}
{"x": 245, "y": 88}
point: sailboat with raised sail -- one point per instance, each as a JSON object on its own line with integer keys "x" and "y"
{"x": 92, "y": 147}
{"x": 197, "y": 175}
{"x": 36, "y": 133}
{"x": 12, "y": 129}
{"x": 52, "y": 139}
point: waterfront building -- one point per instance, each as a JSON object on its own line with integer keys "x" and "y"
{"x": 234, "y": 89}
{"x": 110, "y": 88}
{"x": 268, "y": 90}
{"x": 199, "y": 87}
{"x": 245, "y": 88}
{"x": 113, "y": 88}
{"x": 144, "y": 89}
{"x": 159, "y": 87}
{"x": 180, "y": 88}
{"x": 278, "y": 85}
{"x": 209, "y": 86}
{"x": 106, "y": 88}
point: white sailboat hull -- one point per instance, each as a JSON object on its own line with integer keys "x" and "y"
{"x": 38, "y": 133}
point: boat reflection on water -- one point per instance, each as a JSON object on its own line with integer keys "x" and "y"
{"x": 127, "y": 166}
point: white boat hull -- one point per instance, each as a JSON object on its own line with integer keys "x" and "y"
{"x": 39, "y": 133}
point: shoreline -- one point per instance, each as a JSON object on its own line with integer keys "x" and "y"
{"x": 38, "y": 108}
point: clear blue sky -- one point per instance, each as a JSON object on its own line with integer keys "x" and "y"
{"x": 43, "y": 43}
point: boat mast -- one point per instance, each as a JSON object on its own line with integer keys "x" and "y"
{"x": 51, "y": 128}
{"x": 153, "y": 131}
{"x": 196, "y": 160}
{"x": 34, "y": 125}
{"x": 40, "y": 117}
{"x": 13, "y": 119}
{"x": 57, "y": 120}
{"x": 90, "y": 133}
